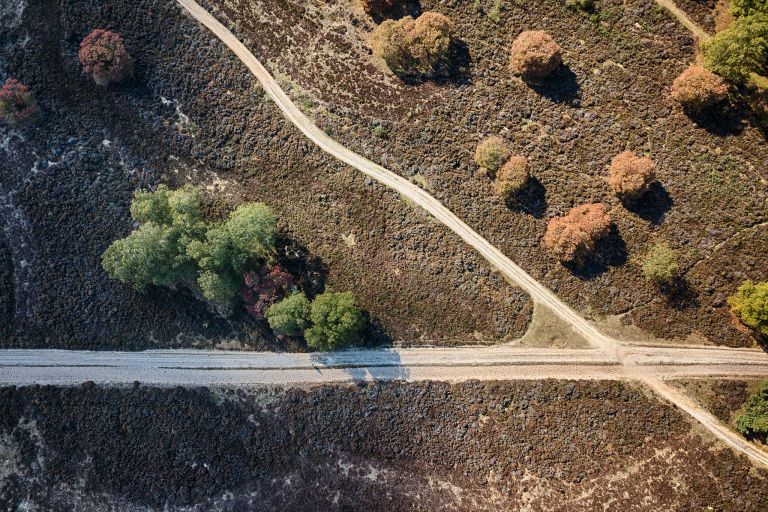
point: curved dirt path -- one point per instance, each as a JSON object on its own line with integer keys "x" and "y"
{"x": 611, "y": 348}
{"x": 683, "y": 18}
{"x": 536, "y": 290}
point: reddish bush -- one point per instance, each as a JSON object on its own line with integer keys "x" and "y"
{"x": 697, "y": 89}
{"x": 631, "y": 176}
{"x": 262, "y": 289}
{"x": 103, "y": 55}
{"x": 16, "y": 102}
{"x": 573, "y": 236}
{"x": 534, "y": 55}
{"x": 378, "y": 6}
{"x": 512, "y": 177}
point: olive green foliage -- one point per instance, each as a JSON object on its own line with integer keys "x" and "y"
{"x": 750, "y": 304}
{"x": 660, "y": 264}
{"x": 174, "y": 246}
{"x": 290, "y": 316}
{"x": 754, "y": 421}
{"x": 740, "y": 50}
{"x": 336, "y": 321}
{"x": 491, "y": 154}
{"x": 749, "y": 7}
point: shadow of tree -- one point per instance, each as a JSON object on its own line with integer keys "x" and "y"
{"x": 725, "y": 119}
{"x": 653, "y": 206}
{"x": 680, "y": 294}
{"x": 380, "y": 364}
{"x": 610, "y": 251}
{"x": 455, "y": 70}
{"x": 530, "y": 199}
{"x": 560, "y": 87}
{"x": 310, "y": 272}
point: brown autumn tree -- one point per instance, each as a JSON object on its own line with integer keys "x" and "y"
{"x": 697, "y": 89}
{"x": 535, "y": 55}
{"x": 512, "y": 177}
{"x": 420, "y": 47}
{"x": 378, "y": 6}
{"x": 572, "y": 237}
{"x": 631, "y": 176}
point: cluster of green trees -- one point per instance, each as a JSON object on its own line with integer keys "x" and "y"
{"x": 174, "y": 246}
{"x": 753, "y": 422}
{"x": 329, "y": 322}
{"x": 741, "y": 51}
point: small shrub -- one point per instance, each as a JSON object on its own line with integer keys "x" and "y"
{"x": 512, "y": 177}
{"x": 16, "y": 103}
{"x": 290, "y": 316}
{"x": 630, "y": 175}
{"x": 263, "y": 289}
{"x": 750, "y": 305}
{"x": 697, "y": 89}
{"x": 740, "y": 50}
{"x": 753, "y": 423}
{"x": 336, "y": 321}
{"x": 572, "y": 237}
{"x": 420, "y": 47}
{"x": 535, "y": 55}
{"x": 379, "y": 131}
{"x": 749, "y": 7}
{"x": 660, "y": 264}
{"x": 103, "y": 55}
{"x": 491, "y": 154}
{"x": 378, "y": 6}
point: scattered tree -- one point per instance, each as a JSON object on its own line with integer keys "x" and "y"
{"x": 103, "y": 55}
{"x": 753, "y": 423}
{"x": 378, "y": 6}
{"x": 420, "y": 47}
{"x": 750, "y": 304}
{"x": 290, "y": 316}
{"x": 660, "y": 264}
{"x": 491, "y": 154}
{"x": 16, "y": 103}
{"x": 512, "y": 177}
{"x": 336, "y": 321}
{"x": 630, "y": 175}
{"x": 697, "y": 89}
{"x": 740, "y": 50}
{"x": 535, "y": 55}
{"x": 749, "y": 7}
{"x": 572, "y": 237}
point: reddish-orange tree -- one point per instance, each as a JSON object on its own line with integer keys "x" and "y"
{"x": 103, "y": 55}
{"x": 535, "y": 55}
{"x": 16, "y": 102}
{"x": 573, "y": 236}
{"x": 631, "y": 176}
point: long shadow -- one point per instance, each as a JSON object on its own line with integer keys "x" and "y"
{"x": 560, "y": 87}
{"x": 384, "y": 364}
{"x": 680, "y": 294}
{"x": 455, "y": 70}
{"x": 400, "y": 10}
{"x": 610, "y": 251}
{"x": 531, "y": 199}
{"x": 310, "y": 272}
{"x": 653, "y": 206}
{"x": 723, "y": 120}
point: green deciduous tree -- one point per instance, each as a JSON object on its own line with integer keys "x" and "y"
{"x": 749, "y": 7}
{"x": 754, "y": 421}
{"x": 740, "y": 50}
{"x": 290, "y": 316}
{"x": 336, "y": 321}
{"x": 750, "y": 304}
